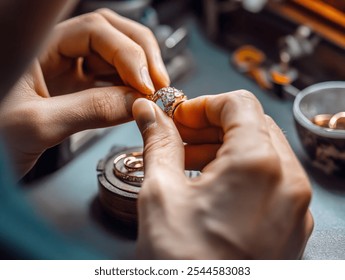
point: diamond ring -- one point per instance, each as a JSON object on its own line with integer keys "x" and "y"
{"x": 171, "y": 98}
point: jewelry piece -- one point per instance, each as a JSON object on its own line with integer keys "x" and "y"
{"x": 129, "y": 167}
{"x": 322, "y": 120}
{"x": 118, "y": 197}
{"x": 171, "y": 98}
{"x": 133, "y": 163}
{"x": 337, "y": 121}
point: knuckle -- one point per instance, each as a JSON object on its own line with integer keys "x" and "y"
{"x": 135, "y": 51}
{"x": 299, "y": 195}
{"x": 243, "y": 94}
{"x": 102, "y": 105}
{"x": 242, "y": 99}
{"x": 144, "y": 32}
{"x": 147, "y": 32}
{"x": 92, "y": 20}
{"x": 105, "y": 11}
{"x": 131, "y": 50}
{"x": 269, "y": 119}
{"x": 92, "y": 17}
{"x": 263, "y": 164}
{"x": 250, "y": 100}
{"x": 152, "y": 189}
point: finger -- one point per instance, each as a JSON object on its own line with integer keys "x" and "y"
{"x": 193, "y": 113}
{"x": 92, "y": 108}
{"x": 246, "y": 145}
{"x": 208, "y": 135}
{"x": 96, "y": 66}
{"x": 163, "y": 147}
{"x": 93, "y": 33}
{"x": 198, "y": 156}
{"x": 144, "y": 37}
{"x": 100, "y": 70}
{"x": 193, "y": 124}
{"x": 163, "y": 163}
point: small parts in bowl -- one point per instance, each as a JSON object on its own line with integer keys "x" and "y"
{"x": 336, "y": 121}
{"x": 322, "y": 120}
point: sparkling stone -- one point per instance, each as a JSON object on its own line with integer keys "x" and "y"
{"x": 178, "y": 93}
{"x": 168, "y": 98}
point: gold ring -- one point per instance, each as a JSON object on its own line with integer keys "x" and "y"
{"x": 133, "y": 163}
{"x": 171, "y": 98}
{"x": 129, "y": 167}
{"x": 322, "y": 120}
{"x": 337, "y": 121}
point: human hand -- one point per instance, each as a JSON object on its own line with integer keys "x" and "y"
{"x": 32, "y": 120}
{"x": 38, "y": 113}
{"x": 102, "y": 46}
{"x": 251, "y": 200}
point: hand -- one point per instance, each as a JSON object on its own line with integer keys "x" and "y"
{"x": 252, "y": 198}
{"x": 102, "y": 46}
{"x": 38, "y": 114}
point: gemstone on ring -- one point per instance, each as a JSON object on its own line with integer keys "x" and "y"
{"x": 171, "y": 98}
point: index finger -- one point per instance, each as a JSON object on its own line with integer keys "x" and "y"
{"x": 144, "y": 37}
{"x": 91, "y": 34}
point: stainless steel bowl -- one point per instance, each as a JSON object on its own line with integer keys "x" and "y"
{"x": 325, "y": 146}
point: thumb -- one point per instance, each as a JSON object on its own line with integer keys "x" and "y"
{"x": 163, "y": 146}
{"x": 91, "y": 108}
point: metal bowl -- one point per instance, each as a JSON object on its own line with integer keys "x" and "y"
{"x": 325, "y": 146}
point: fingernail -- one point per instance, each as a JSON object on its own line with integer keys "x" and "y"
{"x": 145, "y": 76}
{"x": 144, "y": 113}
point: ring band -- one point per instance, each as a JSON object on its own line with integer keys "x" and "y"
{"x": 337, "y": 121}
{"x": 132, "y": 163}
{"x": 171, "y": 99}
{"x": 322, "y": 120}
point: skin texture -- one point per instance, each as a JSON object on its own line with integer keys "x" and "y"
{"x": 59, "y": 95}
{"x": 252, "y": 198}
